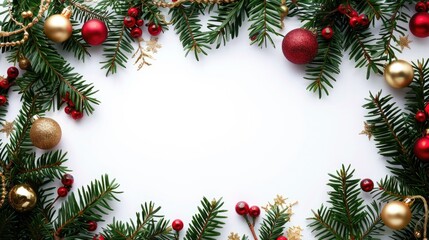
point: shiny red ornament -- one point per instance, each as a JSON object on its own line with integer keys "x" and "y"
{"x": 354, "y": 22}
{"x": 98, "y": 237}
{"x": 177, "y": 225}
{"x": 140, "y": 22}
{"x": 254, "y": 211}
{"x": 94, "y": 32}
{"x": 421, "y": 7}
{"x": 366, "y": 185}
{"x": 129, "y": 21}
{"x": 67, "y": 180}
{"x": 300, "y": 46}
{"x": 421, "y": 148}
{"x": 76, "y": 115}
{"x": 12, "y": 73}
{"x": 136, "y": 32}
{"x": 154, "y": 29}
{"x": 327, "y": 33}
{"x": 420, "y": 116}
{"x": 3, "y": 100}
{"x": 92, "y": 225}
{"x": 282, "y": 238}
{"x": 419, "y": 24}
{"x": 242, "y": 208}
{"x": 133, "y": 12}
{"x": 62, "y": 191}
{"x": 4, "y": 83}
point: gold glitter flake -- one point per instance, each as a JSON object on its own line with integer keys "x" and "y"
{"x": 367, "y": 130}
{"x": 152, "y": 45}
{"x": 8, "y": 128}
{"x": 404, "y": 42}
{"x": 279, "y": 200}
{"x": 233, "y": 236}
{"x": 294, "y": 233}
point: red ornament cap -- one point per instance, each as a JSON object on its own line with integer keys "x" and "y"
{"x": 177, "y": 225}
{"x": 366, "y": 185}
{"x": 242, "y": 208}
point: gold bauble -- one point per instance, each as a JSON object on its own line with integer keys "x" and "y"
{"x": 22, "y": 197}
{"x": 284, "y": 10}
{"x": 58, "y": 27}
{"x": 45, "y": 133}
{"x": 417, "y": 234}
{"x": 399, "y": 74}
{"x": 396, "y": 215}
{"x": 24, "y": 63}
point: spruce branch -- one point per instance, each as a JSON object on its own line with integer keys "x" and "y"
{"x": 48, "y": 166}
{"x": 274, "y": 222}
{"x": 76, "y": 44}
{"x": 264, "y": 17}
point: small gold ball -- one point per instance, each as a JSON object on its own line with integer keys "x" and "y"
{"x": 24, "y": 15}
{"x": 396, "y": 215}
{"x": 284, "y": 10}
{"x": 417, "y": 234}
{"x": 58, "y": 28}
{"x": 29, "y": 14}
{"x": 24, "y": 63}
{"x": 399, "y": 74}
{"x": 45, "y": 133}
{"x": 22, "y": 197}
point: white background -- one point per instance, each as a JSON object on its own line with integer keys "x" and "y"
{"x": 238, "y": 124}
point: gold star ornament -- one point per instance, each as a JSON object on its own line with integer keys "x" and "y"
{"x": 294, "y": 233}
{"x": 367, "y": 130}
{"x": 8, "y": 128}
{"x": 404, "y": 42}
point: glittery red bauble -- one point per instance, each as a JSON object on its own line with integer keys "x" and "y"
{"x": 421, "y": 148}
{"x": 419, "y": 24}
{"x": 94, "y": 32}
{"x": 366, "y": 185}
{"x": 420, "y": 116}
{"x": 242, "y": 208}
{"x": 254, "y": 211}
{"x": 300, "y": 46}
{"x": 177, "y": 225}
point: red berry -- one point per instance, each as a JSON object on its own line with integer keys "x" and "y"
{"x": 282, "y": 238}
{"x": 12, "y": 72}
{"x": 4, "y": 83}
{"x": 67, "y": 180}
{"x": 177, "y": 225}
{"x": 353, "y": 13}
{"x": 363, "y": 20}
{"x": 98, "y": 237}
{"x": 174, "y": 0}
{"x": 342, "y": 8}
{"x": 129, "y": 21}
{"x": 420, "y": 116}
{"x": 133, "y": 12}
{"x": 62, "y": 191}
{"x": 3, "y": 100}
{"x": 68, "y": 110}
{"x": 366, "y": 185}
{"x": 76, "y": 115}
{"x": 92, "y": 225}
{"x": 254, "y": 211}
{"x": 242, "y": 208}
{"x": 427, "y": 5}
{"x": 253, "y": 38}
{"x": 136, "y": 32}
{"x": 153, "y": 29}
{"x": 327, "y": 33}
{"x": 354, "y": 22}
{"x": 140, "y": 22}
{"x": 421, "y": 7}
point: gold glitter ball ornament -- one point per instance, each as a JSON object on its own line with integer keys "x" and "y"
{"x": 45, "y": 133}
{"x": 396, "y": 215}
{"x": 58, "y": 27}
{"x": 399, "y": 74}
{"x": 22, "y": 197}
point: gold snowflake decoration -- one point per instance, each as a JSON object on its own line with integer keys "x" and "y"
{"x": 152, "y": 45}
{"x": 404, "y": 42}
{"x": 367, "y": 130}
{"x": 279, "y": 200}
{"x": 294, "y": 233}
{"x": 8, "y": 128}
{"x": 233, "y": 236}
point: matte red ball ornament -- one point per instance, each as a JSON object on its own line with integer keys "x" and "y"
{"x": 133, "y": 12}
{"x": 3, "y": 100}
{"x": 421, "y": 7}
{"x": 366, "y": 185}
{"x": 177, "y": 225}
{"x": 421, "y": 149}
{"x": 282, "y": 238}
{"x": 12, "y": 72}
{"x": 420, "y": 116}
{"x": 67, "y": 180}
{"x": 254, "y": 211}
{"x": 419, "y": 24}
{"x": 327, "y": 33}
{"x": 94, "y": 32}
{"x": 153, "y": 29}
{"x": 242, "y": 208}
{"x": 300, "y": 46}
{"x": 92, "y": 225}
{"x": 62, "y": 191}
{"x": 136, "y": 32}
{"x": 129, "y": 21}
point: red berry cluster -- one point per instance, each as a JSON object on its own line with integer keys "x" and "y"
{"x": 134, "y": 22}
{"x": 356, "y": 20}
{"x": 67, "y": 180}
{"x": 70, "y": 108}
{"x": 242, "y": 208}
{"x": 5, "y": 83}
{"x": 422, "y": 6}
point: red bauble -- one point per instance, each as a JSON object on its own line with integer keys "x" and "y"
{"x": 4, "y": 83}
{"x": 3, "y": 100}
{"x": 420, "y": 116}
{"x": 140, "y": 22}
{"x": 62, "y": 191}
{"x": 67, "y": 180}
{"x": 136, "y": 32}
{"x": 421, "y": 148}
{"x": 421, "y": 7}
{"x": 129, "y": 21}
{"x": 98, "y": 237}
{"x": 419, "y": 24}
{"x": 76, "y": 115}
{"x": 12, "y": 73}
{"x": 94, "y": 32}
{"x": 254, "y": 211}
{"x": 366, "y": 185}
{"x": 92, "y": 225}
{"x": 133, "y": 12}
{"x": 242, "y": 208}
{"x": 153, "y": 29}
{"x": 300, "y": 46}
{"x": 177, "y": 225}
{"x": 282, "y": 238}
{"x": 327, "y": 33}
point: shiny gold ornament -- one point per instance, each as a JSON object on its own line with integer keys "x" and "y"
{"x": 58, "y": 27}
{"x": 417, "y": 234}
{"x": 24, "y": 63}
{"x": 396, "y": 215}
{"x": 45, "y": 133}
{"x": 22, "y": 197}
{"x": 284, "y": 10}
{"x": 399, "y": 74}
